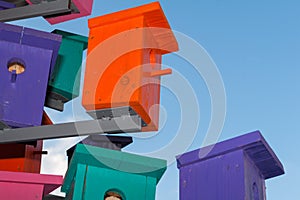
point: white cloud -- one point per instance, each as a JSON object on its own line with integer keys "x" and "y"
{"x": 56, "y": 162}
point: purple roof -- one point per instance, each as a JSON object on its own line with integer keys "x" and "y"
{"x": 32, "y": 37}
{"x": 253, "y": 144}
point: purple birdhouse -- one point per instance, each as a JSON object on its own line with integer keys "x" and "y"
{"x": 27, "y": 58}
{"x": 233, "y": 169}
{"x": 6, "y": 5}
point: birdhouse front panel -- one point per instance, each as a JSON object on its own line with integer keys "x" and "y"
{"x": 43, "y": 40}
{"x": 24, "y": 191}
{"x": 21, "y": 157}
{"x": 24, "y": 74}
{"x": 124, "y": 62}
{"x": 214, "y": 179}
{"x": 128, "y": 186}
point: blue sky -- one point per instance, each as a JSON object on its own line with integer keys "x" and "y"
{"x": 255, "y": 45}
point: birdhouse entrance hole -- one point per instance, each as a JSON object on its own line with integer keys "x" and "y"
{"x": 15, "y": 66}
{"x": 113, "y": 195}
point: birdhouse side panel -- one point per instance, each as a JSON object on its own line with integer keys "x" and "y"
{"x": 65, "y": 79}
{"x": 33, "y": 157}
{"x": 150, "y": 90}
{"x": 150, "y": 188}
{"x": 254, "y": 182}
{"x": 78, "y": 190}
{"x": 86, "y": 6}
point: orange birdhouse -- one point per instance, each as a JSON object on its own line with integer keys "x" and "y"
{"x": 123, "y": 67}
{"x": 23, "y": 157}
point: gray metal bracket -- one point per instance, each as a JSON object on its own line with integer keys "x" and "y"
{"x": 55, "y": 101}
{"x": 111, "y": 113}
{"x": 73, "y": 7}
{"x": 46, "y": 8}
{"x": 3, "y": 126}
{"x": 124, "y": 124}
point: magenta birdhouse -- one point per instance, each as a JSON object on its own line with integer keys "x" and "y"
{"x": 27, "y": 58}
{"x": 27, "y": 186}
{"x": 233, "y": 169}
{"x": 80, "y": 8}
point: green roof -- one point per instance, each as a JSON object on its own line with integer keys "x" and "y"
{"x": 114, "y": 160}
{"x": 72, "y": 36}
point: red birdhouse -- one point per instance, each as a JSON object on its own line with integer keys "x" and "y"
{"x": 23, "y": 157}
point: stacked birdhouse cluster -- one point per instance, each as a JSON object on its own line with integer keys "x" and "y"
{"x": 121, "y": 92}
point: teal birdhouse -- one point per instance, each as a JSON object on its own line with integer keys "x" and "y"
{"x": 99, "y": 173}
{"x": 64, "y": 84}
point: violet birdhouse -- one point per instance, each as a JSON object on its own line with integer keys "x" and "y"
{"x": 233, "y": 169}
{"x": 28, "y": 57}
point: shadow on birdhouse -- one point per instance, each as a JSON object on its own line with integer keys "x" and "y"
{"x": 28, "y": 56}
{"x": 104, "y": 141}
{"x": 98, "y": 173}
{"x": 233, "y": 169}
{"x": 64, "y": 83}
{"x": 123, "y": 70}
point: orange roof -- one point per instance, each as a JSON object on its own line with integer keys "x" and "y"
{"x": 154, "y": 17}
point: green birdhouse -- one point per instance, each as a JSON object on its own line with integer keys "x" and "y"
{"x": 99, "y": 173}
{"x": 64, "y": 84}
